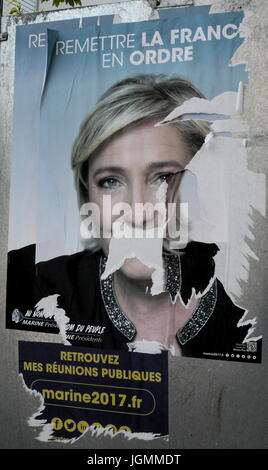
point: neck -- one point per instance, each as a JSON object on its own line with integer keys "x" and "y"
{"x": 137, "y": 292}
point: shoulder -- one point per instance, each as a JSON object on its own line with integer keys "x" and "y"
{"x": 227, "y": 319}
{"x": 66, "y": 264}
{"x": 222, "y": 331}
{"x": 63, "y": 273}
{"x": 68, "y": 271}
{"x": 226, "y": 307}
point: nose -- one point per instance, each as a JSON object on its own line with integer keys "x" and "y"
{"x": 135, "y": 198}
{"x": 142, "y": 200}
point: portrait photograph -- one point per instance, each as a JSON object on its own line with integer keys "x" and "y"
{"x": 131, "y": 198}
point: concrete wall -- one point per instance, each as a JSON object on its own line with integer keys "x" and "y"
{"x": 213, "y": 404}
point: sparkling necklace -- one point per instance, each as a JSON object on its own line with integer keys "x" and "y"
{"x": 173, "y": 284}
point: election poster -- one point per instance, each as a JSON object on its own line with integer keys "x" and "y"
{"x": 104, "y": 391}
{"x": 130, "y": 210}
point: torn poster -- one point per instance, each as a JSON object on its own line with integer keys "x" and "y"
{"x": 131, "y": 197}
{"x": 95, "y": 390}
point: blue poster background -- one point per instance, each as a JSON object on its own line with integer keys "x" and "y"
{"x": 56, "y": 89}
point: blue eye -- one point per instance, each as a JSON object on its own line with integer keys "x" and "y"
{"x": 163, "y": 177}
{"x": 109, "y": 183}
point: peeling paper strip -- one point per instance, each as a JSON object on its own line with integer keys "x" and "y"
{"x": 51, "y": 38}
{"x": 147, "y": 251}
{"x": 239, "y": 106}
{"x": 144, "y": 246}
{"x": 228, "y": 190}
{"x": 49, "y": 308}
{"x": 149, "y": 347}
{"x": 221, "y": 106}
{"x": 230, "y": 125}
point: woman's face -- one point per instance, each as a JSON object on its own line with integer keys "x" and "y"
{"x": 129, "y": 169}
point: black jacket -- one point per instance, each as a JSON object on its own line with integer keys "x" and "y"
{"x": 75, "y": 279}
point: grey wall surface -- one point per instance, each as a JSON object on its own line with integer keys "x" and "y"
{"x": 212, "y": 404}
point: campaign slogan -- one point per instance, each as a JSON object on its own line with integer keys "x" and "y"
{"x": 162, "y": 43}
{"x": 115, "y": 390}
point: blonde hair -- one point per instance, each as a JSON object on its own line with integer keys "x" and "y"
{"x": 133, "y": 101}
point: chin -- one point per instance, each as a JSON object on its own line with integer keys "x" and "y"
{"x": 136, "y": 270}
